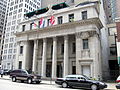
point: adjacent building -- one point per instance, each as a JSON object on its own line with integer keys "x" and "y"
{"x": 16, "y": 11}
{"x": 60, "y": 39}
{"x": 3, "y": 5}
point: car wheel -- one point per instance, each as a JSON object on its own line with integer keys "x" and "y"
{"x": 64, "y": 85}
{"x": 94, "y": 87}
{"x": 29, "y": 80}
{"x": 14, "y": 79}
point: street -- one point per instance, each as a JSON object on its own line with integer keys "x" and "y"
{"x": 9, "y": 85}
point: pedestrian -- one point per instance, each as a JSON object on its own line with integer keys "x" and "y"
{"x": 1, "y": 72}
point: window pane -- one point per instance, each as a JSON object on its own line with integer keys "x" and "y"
{"x": 71, "y": 17}
{"x": 85, "y": 43}
{"x": 84, "y": 15}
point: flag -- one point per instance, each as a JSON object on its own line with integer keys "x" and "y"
{"x": 42, "y": 22}
{"x": 35, "y": 25}
{"x": 52, "y": 20}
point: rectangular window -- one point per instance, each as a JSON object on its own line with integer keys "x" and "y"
{"x": 60, "y": 20}
{"x": 85, "y": 44}
{"x": 31, "y": 26}
{"x": 84, "y": 15}
{"x": 113, "y": 51}
{"x": 21, "y": 49}
{"x": 71, "y": 17}
{"x": 20, "y": 64}
{"x": 48, "y": 23}
{"x": 73, "y": 48}
{"x": 62, "y": 49}
{"x": 23, "y": 28}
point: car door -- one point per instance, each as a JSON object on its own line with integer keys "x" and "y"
{"x": 83, "y": 82}
{"x": 71, "y": 81}
{"x": 24, "y": 75}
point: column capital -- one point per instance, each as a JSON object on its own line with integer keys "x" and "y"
{"x": 54, "y": 38}
{"x": 66, "y": 37}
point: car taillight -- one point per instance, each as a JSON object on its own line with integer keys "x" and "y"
{"x": 117, "y": 80}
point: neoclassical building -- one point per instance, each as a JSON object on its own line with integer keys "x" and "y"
{"x": 72, "y": 45}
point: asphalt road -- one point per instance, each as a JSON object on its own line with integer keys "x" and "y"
{"x": 9, "y": 85}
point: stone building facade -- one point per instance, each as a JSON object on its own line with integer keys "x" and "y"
{"x": 71, "y": 46}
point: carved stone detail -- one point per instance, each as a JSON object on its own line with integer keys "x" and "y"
{"x": 87, "y": 34}
{"x": 84, "y": 35}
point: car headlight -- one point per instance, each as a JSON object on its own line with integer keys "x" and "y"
{"x": 35, "y": 77}
{"x": 101, "y": 83}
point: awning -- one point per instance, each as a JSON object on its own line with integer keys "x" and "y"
{"x": 44, "y": 10}
{"x": 59, "y": 6}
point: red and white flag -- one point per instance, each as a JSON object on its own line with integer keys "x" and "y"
{"x": 52, "y": 20}
{"x": 42, "y": 22}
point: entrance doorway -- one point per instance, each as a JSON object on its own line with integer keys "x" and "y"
{"x": 73, "y": 69}
{"x": 86, "y": 70}
{"x": 48, "y": 69}
{"x": 59, "y": 70}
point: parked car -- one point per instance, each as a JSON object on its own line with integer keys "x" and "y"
{"x": 81, "y": 81}
{"x": 6, "y": 71}
{"x": 118, "y": 86}
{"x": 118, "y": 80}
{"x": 24, "y": 75}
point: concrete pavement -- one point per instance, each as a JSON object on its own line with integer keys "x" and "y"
{"x": 111, "y": 86}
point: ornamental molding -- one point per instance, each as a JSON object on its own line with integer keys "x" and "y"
{"x": 86, "y": 34}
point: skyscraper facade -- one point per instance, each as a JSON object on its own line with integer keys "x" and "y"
{"x": 16, "y": 11}
{"x": 3, "y": 4}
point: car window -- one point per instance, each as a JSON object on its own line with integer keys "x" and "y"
{"x": 70, "y": 77}
{"x": 23, "y": 72}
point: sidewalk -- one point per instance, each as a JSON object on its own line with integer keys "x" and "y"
{"x": 111, "y": 86}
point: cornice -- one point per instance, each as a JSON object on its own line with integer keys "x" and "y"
{"x": 96, "y": 21}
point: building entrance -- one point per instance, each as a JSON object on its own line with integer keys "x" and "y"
{"x": 48, "y": 69}
{"x": 59, "y": 70}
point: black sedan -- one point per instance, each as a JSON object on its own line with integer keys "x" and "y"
{"x": 80, "y": 81}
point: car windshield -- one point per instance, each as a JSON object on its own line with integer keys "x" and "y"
{"x": 86, "y": 77}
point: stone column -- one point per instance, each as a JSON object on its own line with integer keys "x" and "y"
{"x": 25, "y": 54}
{"x": 17, "y": 55}
{"x": 54, "y": 58}
{"x": 35, "y": 55}
{"x": 66, "y": 57}
{"x": 44, "y": 57}
{"x": 78, "y": 53}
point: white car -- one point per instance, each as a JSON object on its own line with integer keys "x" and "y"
{"x": 118, "y": 79}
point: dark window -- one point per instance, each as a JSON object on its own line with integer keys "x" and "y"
{"x": 38, "y": 24}
{"x": 21, "y": 49}
{"x": 20, "y": 64}
{"x": 71, "y": 17}
{"x": 113, "y": 51}
{"x": 48, "y": 22}
{"x": 23, "y": 28}
{"x": 85, "y": 44}
{"x": 31, "y": 26}
{"x": 73, "y": 48}
{"x": 62, "y": 49}
{"x": 60, "y": 20}
{"x": 84, "y": 15}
